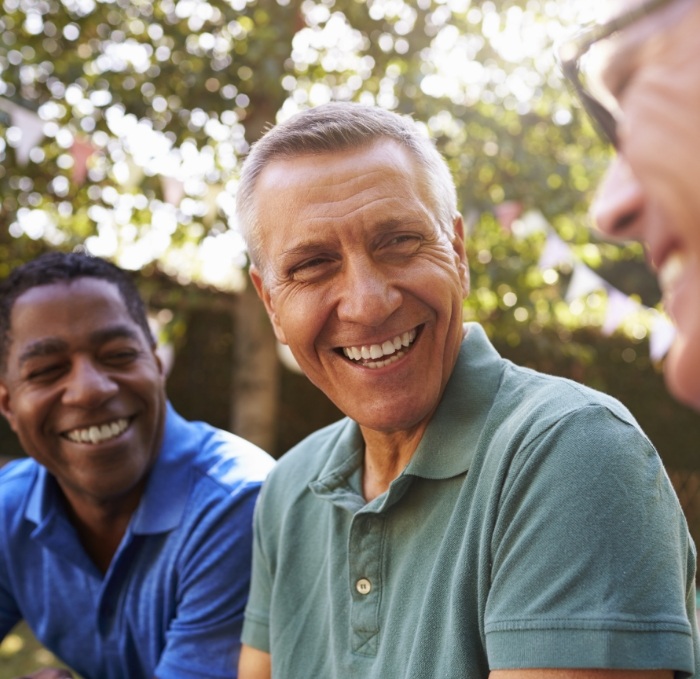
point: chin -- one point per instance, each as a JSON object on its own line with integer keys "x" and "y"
{"x": 682, "y": 373}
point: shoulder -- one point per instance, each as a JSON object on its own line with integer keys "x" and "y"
{"x": 542, "y": 426}
{"x": 216, "y": 456}
{"x": 540, "y": 401}
{"x": 16, "y": 478}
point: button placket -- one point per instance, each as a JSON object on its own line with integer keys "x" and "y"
{"x": 364, "y": 561}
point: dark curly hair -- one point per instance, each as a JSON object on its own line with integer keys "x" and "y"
{"x": 58, "y": 267}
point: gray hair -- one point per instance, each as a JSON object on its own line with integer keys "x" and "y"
{"x": 339, "y": 126}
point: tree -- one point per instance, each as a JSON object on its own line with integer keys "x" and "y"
{"x": 125, "y": 121}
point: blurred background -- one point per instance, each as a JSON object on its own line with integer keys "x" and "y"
{"x": 122, "y": 128}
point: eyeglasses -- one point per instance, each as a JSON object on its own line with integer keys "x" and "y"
{"x": 571, "y": 52}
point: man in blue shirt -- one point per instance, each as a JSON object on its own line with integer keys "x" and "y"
{"x": 125, "y": 537}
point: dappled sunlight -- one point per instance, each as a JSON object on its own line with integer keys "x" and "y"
{"x": 140, "y": 123}
{"x": 21, "y": 653}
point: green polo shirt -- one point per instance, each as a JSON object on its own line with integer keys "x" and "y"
{"x": 534, "y": 527}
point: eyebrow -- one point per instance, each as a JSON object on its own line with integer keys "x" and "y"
{"x": 52, "y": 345}
{"x": 628, "y": 44}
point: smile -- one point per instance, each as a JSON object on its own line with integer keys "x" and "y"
{"x": 379, "y": 355}
{"x": 96, "y": 434}
{"x": 671, "y": 271}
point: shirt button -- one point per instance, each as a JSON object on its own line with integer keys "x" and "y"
{"x": 363, "y": 586}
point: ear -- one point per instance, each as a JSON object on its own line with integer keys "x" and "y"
{"x": 6, "y": 406}
{"x": 162, "y": 361}
{"x": 460, "y": 252}
{"x": 264, "y": 294}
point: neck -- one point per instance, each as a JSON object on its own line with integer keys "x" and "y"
{"x": 386, "y": 456}
{"x": 101, "y": 526}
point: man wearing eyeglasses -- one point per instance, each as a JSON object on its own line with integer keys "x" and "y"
{"x": 638, "y": 76}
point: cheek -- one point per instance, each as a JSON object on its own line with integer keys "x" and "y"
{"x": 297, "y": 315}
{"x": 656, "y": 119}
{"x": 682, "y": 369}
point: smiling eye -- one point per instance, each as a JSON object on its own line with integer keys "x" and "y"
{"x": 45, "y": 372}
{"x": 310, "y": 264}
{"x": 311, "y": 269}
{"x": 404, "y": 243}
{"x": 120, "y": 356}
{"x": 404, "y": 238}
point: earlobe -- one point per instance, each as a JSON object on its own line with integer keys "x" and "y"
{"x": 266, "y": 298}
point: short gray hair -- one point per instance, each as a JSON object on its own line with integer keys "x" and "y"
{"x": 334, "y": 127}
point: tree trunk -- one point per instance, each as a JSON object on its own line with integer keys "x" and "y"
{"x": 255, "y": 402}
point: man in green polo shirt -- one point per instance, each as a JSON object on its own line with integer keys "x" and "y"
{"x": 469, "y": 518}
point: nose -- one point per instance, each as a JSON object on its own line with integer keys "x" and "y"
{"x": 88, "y": 385}
{"x": 618, "y": 207}
{"x": 368, "y": 294}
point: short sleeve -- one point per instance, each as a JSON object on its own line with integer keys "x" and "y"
{"x": 592, "y": 563}
{"x": 203, "y": 640}
{"x": 256, "y": 629}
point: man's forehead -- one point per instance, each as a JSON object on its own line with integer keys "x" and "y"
{"x": 609, "y": 9}
{"x": 289, "y": 169}
{"x": 68, "y": 298}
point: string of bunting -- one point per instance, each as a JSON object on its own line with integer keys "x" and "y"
{"x": 557, "y": 253}
{"x": 29, "y": 133}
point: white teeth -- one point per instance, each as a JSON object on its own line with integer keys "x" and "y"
{"x": 671, "y": 271}
{"x": 94, "y": 434}
{"x": 97, "y": 434}
{"x": 387, "y": 350}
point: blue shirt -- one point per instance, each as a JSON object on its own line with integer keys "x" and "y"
{"x": 171, "y": 604}
{"x": 534, "y": 527}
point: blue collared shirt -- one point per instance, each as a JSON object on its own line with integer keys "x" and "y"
{"x": 171, "y": 603}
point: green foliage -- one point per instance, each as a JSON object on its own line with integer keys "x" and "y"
{"x": 179, "y": 89}
{"x": 21, "y": 654}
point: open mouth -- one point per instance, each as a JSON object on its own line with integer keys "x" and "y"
{"x": 98, "y": 434}
{"x": 379, "y": 355}
{"x": 671, "y": 271}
